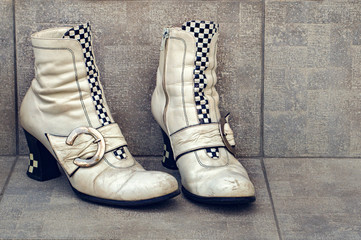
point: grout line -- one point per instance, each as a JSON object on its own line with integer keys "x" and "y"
{"x": 262, "y": 119}
{"x": 8, "y": 178}
{"x": 262, "y": 81}
{"x": 160, "y": 156}
{"x": 15, "y": 85}
{"x": 238, "y": 157}
{"x": 313, "y": 157}
{"x": 271, "y": 199}
{"x": 13, "y": 155}
{"x": 152, "y": 156}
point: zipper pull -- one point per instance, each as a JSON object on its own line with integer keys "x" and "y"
{"x": 164, "y": 38}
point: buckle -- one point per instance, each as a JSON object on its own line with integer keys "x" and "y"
{"x": 221, "y": 124}
{"x": 98, "y": 139}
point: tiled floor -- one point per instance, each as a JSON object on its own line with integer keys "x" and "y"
{"x": 311, "y": 199}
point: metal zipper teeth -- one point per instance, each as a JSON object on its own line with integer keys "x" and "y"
{"x": 164, "y": 48}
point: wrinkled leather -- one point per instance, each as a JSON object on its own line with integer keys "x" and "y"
{"x": 84, "y": 146}
{"x": 200, "y": 174}
{"x": 229, "y": 133}
{"x": 59, "y": 101}
{"x": 196, "y": 137}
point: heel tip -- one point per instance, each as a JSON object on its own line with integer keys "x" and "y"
{"x": 41, "y": 178}
{"x": 170, "y": 166}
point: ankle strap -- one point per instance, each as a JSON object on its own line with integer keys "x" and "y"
{"x": 196, "y": 137}
{"x": 84, "y": 146}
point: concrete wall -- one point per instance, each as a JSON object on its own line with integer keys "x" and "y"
{"x": 7, "y": 80}
{"x": 288, "y": 71}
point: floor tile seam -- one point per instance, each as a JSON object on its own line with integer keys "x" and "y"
{"x": 16, "y": 104}
{"x": 271, "y": 199}
{"x": 141, "y": 156}
{"x": 261, "y": 117}
{"x": 238, "y": 157}
{"x": 310, "y": 157}
{"x": 8, "y": 178}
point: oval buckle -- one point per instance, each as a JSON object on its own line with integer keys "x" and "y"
{"x": 98, "y": 139}
{"x": 222, "y": 122}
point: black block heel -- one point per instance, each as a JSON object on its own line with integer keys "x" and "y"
{"x": 168, "y": 160}
{"x": 42, "y": 165}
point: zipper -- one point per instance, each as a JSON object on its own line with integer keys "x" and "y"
{"x": 164, "y": 49}
{"x": 164, "y": 38}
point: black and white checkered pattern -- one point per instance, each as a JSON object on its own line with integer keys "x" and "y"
{"x": 213, "y": 152}
{"x": 203, "y": 31}
{"x": 33, "y": 164}
{"x": 119, "y": 153}
{"x": 165, "y": 153}
{"x": 82, "y": 33}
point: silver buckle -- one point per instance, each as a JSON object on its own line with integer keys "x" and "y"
{"x": 221, "y": 124}
{"x": 98, "y": 139}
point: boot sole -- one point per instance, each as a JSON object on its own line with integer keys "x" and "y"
{"x": 121, "y": 203}
{"x": 218, "y": 200}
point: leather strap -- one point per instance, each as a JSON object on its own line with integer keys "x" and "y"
{"x": 84, "y": 146}
{"x": 229, "y": 133}
{"x": 196, "y": 137}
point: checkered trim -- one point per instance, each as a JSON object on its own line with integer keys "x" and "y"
{"x": 120, "y": 153}
{"x": 165, "y": 153}
{"x": 82, "y": 33}
{"x": 213, "y": 152}
{"x": 203, "y": 32}
{"x": 32, "y": 163}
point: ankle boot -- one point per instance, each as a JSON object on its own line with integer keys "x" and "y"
{"x": 67, "y": 121}
{"x": 197, "y": 140}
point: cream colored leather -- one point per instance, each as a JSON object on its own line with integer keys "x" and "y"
{"x": 196, "y": 137}
{"x": 229, "y": 133}
{"x": 58, "y": 101}
{"x": 84, "y": 146}
{"x": 174, "y": 108}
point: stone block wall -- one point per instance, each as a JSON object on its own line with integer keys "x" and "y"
{"x": 288, "y": 71}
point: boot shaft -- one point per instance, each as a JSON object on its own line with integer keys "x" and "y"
{"x": 66, "y": 92}
{"x": 66, "y": 88}
{"x": 185, "y": 94}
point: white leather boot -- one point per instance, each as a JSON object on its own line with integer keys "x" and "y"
{"x": 198, "y": 141}
{"x": 67, "y": 121}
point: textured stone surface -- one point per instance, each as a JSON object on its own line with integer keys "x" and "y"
{"x": 316, "y": 198}
{"x": 7, "y": 76}
{"x": 312, "y": 102}
{"x": 6, "y": 163}
{"x": 38, "y": 210}
{"x": 312, "y": 78}
{"x": 127, "y": 36}
{"x": 240, "y": 73}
